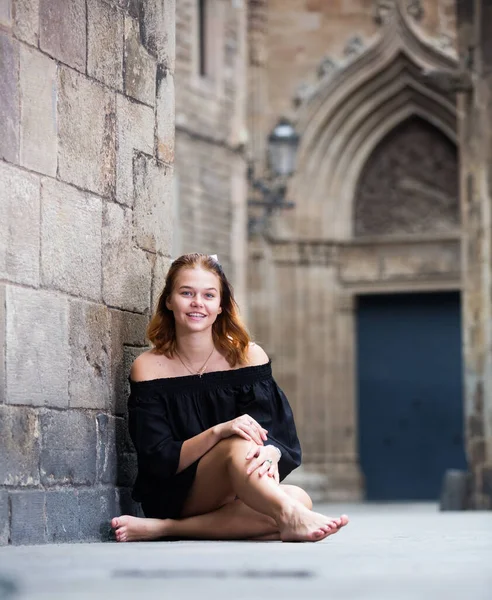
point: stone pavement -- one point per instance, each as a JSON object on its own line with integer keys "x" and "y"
{"x": 393, "y": 552}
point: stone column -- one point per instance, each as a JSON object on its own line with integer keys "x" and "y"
{"x": 86, "y": 162}
{"x": 475, "y": 47}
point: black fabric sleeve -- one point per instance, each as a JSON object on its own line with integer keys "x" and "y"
{"x": 267, "y": 404}
{"x": 157, "y": 452}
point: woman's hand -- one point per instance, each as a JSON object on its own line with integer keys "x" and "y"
{"x": 264, "y": 459}
{"x": 244, "y": 426}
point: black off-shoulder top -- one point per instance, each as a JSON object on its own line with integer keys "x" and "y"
{"x": 163, "y": 413}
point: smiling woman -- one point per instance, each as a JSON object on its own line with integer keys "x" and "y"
{"x": 214, "y": 433}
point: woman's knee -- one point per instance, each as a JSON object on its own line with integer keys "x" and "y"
{"x": 298, "y": 494}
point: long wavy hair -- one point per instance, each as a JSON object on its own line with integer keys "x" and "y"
{"x": 229, "y": 334}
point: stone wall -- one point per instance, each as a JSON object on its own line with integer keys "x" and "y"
{"x": 210, "y": 137}
{"x": 86, "y": 171}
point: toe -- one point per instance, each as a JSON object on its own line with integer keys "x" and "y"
{"x": 114, "y": 523}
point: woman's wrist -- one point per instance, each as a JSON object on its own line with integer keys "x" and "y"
{"x": 276, "y": 452}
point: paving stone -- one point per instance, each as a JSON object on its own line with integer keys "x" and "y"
{"x": 106, "y": 449}
{"x": 68, "y": 454}
{"x": 26, "y": 27}
{"x": 19, "y": 226}
{"x": 3, "y": 343}
{"x": 37, "y": 373}
{"x": 126, "y": 329}
{"x": 105, "y": 43}
{"x": 5, "y": 13}
{"x": 9, "y": 97}
{"x": 158, "y": 30}
{"x": 86, "y": 106}
{"x": 4, "y": 518}
{"x": 126, "y": 269}
{"x": 69, "y": 215}
{"x": 90, "y": 362}
{"x": 140, "y": 67}
{"x": 96, "y": 509}
{"x": 62, "y": 516}
{"x": 38, "y": 133}
{"x": 19, "y": 435}
{"x": 28, "y": 517}
{"x": 165, "y": 112}
{"x": 135, "y": 131}
{"x": 63, "y": 31}
{"x": 153, "y": 216}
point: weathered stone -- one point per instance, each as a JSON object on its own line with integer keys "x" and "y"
{"x": 3, "y": 342}
{"x": 38, "y": 135}
{"x": 105, "y": 43}
{"x": 106, "y": 449}
{"x": 129, "y": 355}
{"x": 4, "y": 518}
{"x": 37, "y": 372}
{"x": 26, "y": 26}
{"x": 19, "y": 226}
{"x": 165, "y": 111}
{"x": 9, "y": 97}
{"x": 89, "y": 381}
{"x": 62, "y": 516}
{"x": 96, "y": 509}
{"x": 5, "y": 13}
{"x": 68, "y": 454}
{"x": 152, "y": 213}
{"x": 158, "y": 30}
{"x": 63, "y": 31}
{"x": 140, "y": 67}
{"x": 126, "y": 329}
{"x": 19, "y": 432}
{"x": 135, "y": 131}
{"x": 86, "y": 148}
{"x": 126, "y": 269}
{"x": 161, "y": 268}
{"x": 70, "y": 216}
{"x": 28, "y": 517}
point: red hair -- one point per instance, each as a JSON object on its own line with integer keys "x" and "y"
{"x": 229, "y": 334}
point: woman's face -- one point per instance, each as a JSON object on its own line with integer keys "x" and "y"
{"x": 195, "y": 299}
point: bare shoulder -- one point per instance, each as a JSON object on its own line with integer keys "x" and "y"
{"x": 256, "y": 355}
{"x": 148, "y": 366}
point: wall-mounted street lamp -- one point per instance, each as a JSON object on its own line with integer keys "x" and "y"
{"x": 283, "y": 142}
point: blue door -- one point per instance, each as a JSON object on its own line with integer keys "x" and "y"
{"x": 409, "y": 393}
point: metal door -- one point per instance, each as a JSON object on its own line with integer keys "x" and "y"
{"x": 410, "y": 395}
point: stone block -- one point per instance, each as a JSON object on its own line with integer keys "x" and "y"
{"x": 123, "y": 390}
{"x": 359, "y": 264}
{"x": 28, "y": 517}
{"x": 38, "y": 135}
{"x": 126, "y": 269}
{"x": 165, "y": 111}
{"x": 68, "y": 454}
{"x": 3, "y": 343}
{"x": 26, "y": 26}
{"x": 6, "y": 13}
{"x": 135, "y": 131}
{"x": 161, "y": 267}
{"x": 19, "y": 226}
{"x": 19, "y": 433}
{"x": 153, "y": 213}
{"x": 96, "y": 509}
{"x": 105, "y": 43}
{"x": 4, "y": 518}
{"x": 455, "y": 491}
{"x": 126, "y": 329}
{"x": 86, "y": 129}
{"x": 62, "y": 516}
{"x": 140, "y": 67}
{"x": 106, "y": 449}
{"x": 9, "y": 97}
{"x": 63, "y": 31}
{"x": 37, "y": 372}
{"x": 71, "y": 220}
{"x": 158, "y": 30}
{"x": 90, "y": 362}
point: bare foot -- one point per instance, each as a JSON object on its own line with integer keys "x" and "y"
{"x": 135, "y": 529}
{"x": 299, "y": 524}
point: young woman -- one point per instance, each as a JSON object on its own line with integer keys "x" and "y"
{"x": 214, "y": 434}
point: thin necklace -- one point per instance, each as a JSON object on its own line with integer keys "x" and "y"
{"x": 201, "y": 370}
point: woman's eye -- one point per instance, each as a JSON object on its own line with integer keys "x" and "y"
{"x": 185, "y": 293}
{"x": 210, "y": 296}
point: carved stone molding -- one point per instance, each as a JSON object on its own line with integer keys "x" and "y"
{"x": 305, "y": 253}
{"x": 383, "y": 9}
